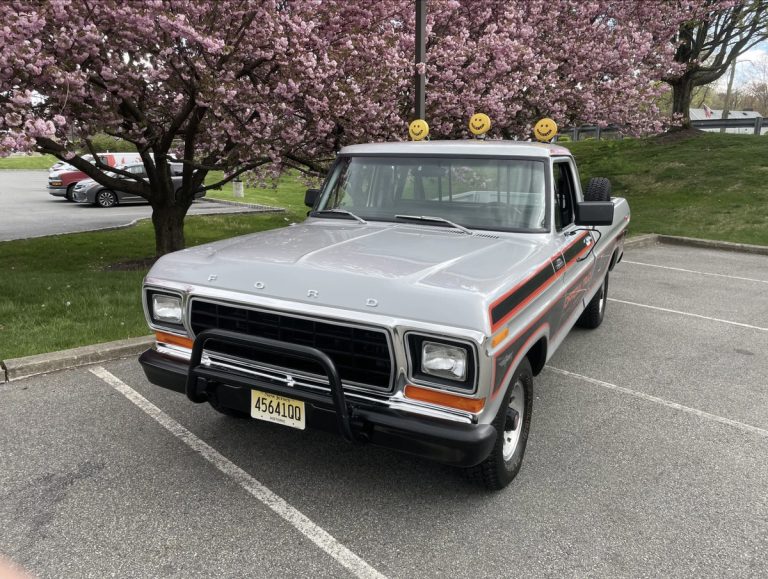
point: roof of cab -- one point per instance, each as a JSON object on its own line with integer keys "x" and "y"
{"x": 468, "y": 147}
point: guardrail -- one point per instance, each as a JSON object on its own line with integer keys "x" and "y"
{"x": 755, "y": 123}
{"x": 584, "y": 132}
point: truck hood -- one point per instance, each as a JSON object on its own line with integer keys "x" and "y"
{"x": 419, "y": 272}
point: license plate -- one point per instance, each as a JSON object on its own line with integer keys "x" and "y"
{"x": 279, "y": 409}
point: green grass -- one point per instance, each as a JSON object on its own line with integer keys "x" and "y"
{"x": 705, "y": 185}
{"x": 56, "y": 293}
{"x": 27, "y": 162}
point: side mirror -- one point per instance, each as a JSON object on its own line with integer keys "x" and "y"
{"x": 310, "y": 197}
{"x": 594, "y": 213}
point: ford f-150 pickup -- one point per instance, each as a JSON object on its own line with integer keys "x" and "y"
{"x": 412, "y": 309}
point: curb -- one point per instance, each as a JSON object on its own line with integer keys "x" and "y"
{"x": 256, "y": 209}
{"x": 17, "y": 368}
{"x": 641, "y": 241}
{"x": 261, "y": 208}
{"x": 711, "y": 244}
{"x": 654, "y": 239}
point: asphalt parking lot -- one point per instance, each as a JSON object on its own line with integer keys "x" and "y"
{"x": 648, "y": 457}
{"x": 27, "y": 210}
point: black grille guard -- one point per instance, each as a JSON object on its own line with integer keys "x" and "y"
{"x": 199, "y": 375}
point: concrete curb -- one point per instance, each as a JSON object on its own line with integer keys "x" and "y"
{"x": 261, "y": 208}
{"x": 641, "y": 241}
{"x": 17, "y": 368}
{"x": 255, "y": 209}
{"x": 653, "y": 239}
{"x": 711, "y": 244}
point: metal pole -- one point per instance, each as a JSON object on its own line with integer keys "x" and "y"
{"x": 421, "y": 55}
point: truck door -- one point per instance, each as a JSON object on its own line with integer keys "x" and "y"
{"x": 576, "y": 259}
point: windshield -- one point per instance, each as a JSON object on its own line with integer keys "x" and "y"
{"x": 479, "y": 193}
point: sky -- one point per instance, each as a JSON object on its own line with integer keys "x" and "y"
{"x": 745, "y": 70}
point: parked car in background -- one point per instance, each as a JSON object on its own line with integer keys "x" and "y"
{"x": 89, "y": 191}
{"x": 62, "y": 177}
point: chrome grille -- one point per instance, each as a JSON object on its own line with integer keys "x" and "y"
{"x": 361, "y": 355}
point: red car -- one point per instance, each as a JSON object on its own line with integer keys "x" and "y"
{"x": 62, "y": 181}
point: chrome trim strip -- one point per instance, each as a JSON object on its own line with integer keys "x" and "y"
{"x": 397, "y": 402}
{"x": 174, "y": 351}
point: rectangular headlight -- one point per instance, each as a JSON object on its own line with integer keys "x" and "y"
{"x": 444, "y": 361}
{"x": 166, "y": 308}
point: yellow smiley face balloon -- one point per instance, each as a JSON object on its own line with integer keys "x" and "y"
{"x": 479, "y": 124}
{"x": 418, "y": 129}
{"x": 545, "y": 130}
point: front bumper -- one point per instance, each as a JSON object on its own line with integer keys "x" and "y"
{"x": 455, "y": 444}
{"x": 57, "y": 191}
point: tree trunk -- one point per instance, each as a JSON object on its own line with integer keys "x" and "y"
{"x": 169, "y": 228}
{"x": 682, "y": 92}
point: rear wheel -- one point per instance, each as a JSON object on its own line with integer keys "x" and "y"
{"x": 512, "y": 424}
{"x": 594, "y": 313}
{"x": 106, "y": 198}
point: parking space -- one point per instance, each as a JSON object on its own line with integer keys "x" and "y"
{"x": 27, "y": 210}
{"x": 648, "y": 456}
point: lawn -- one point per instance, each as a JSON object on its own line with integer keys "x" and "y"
{"x": 27, "y": 162}
{"x": 64, "y": 291}
{"x": 705, "y": 185}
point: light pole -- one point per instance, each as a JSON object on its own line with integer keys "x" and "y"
{"x": 421, "y": 55}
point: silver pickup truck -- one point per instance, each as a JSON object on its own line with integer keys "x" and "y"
{"x": 430, "y": 283}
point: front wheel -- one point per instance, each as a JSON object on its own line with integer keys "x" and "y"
{"x": 106, "y": 198}
{"x": 70, "y": 195}
{"x": 594, "y": 313}
{"x": 512, "y": 423}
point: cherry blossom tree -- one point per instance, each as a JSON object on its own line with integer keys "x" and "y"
{"x": 709, "y": 41}
{"x": 230, "y": 85}
{"x": 244, "y": 85}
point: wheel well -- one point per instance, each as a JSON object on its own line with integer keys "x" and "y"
{"x": 614, "y": 259}
{"x": 537, "y": 356}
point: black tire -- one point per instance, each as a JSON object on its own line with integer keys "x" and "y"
{"x": 106, "y": 198}
{"x": 598, "y": 189}
{"x": 70, "y": 194}
{"x": 594, "y": 313}
{"x": 496, "y": 471}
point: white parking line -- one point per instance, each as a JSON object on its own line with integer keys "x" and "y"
{"x": 296, "y": 518}
{"x": 689, "y": 314}
{"x": 700, "y": 413}
{"x": 695, "y": 271}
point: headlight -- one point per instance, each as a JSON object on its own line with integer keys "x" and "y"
{"x": 166, "y": 308}
{"x": 444, "y": 361}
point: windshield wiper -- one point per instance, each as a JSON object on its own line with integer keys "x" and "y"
{"x": 429, "y": 218}
{"x": 339, "y": 212}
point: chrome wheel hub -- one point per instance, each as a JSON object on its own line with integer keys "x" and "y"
{"x": 513, "y": 422}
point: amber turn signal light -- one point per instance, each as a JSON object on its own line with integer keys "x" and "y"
{"x": 174, "y": 340}
{"x": 499, "y": 338}
{"x": 444, "y": 399}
